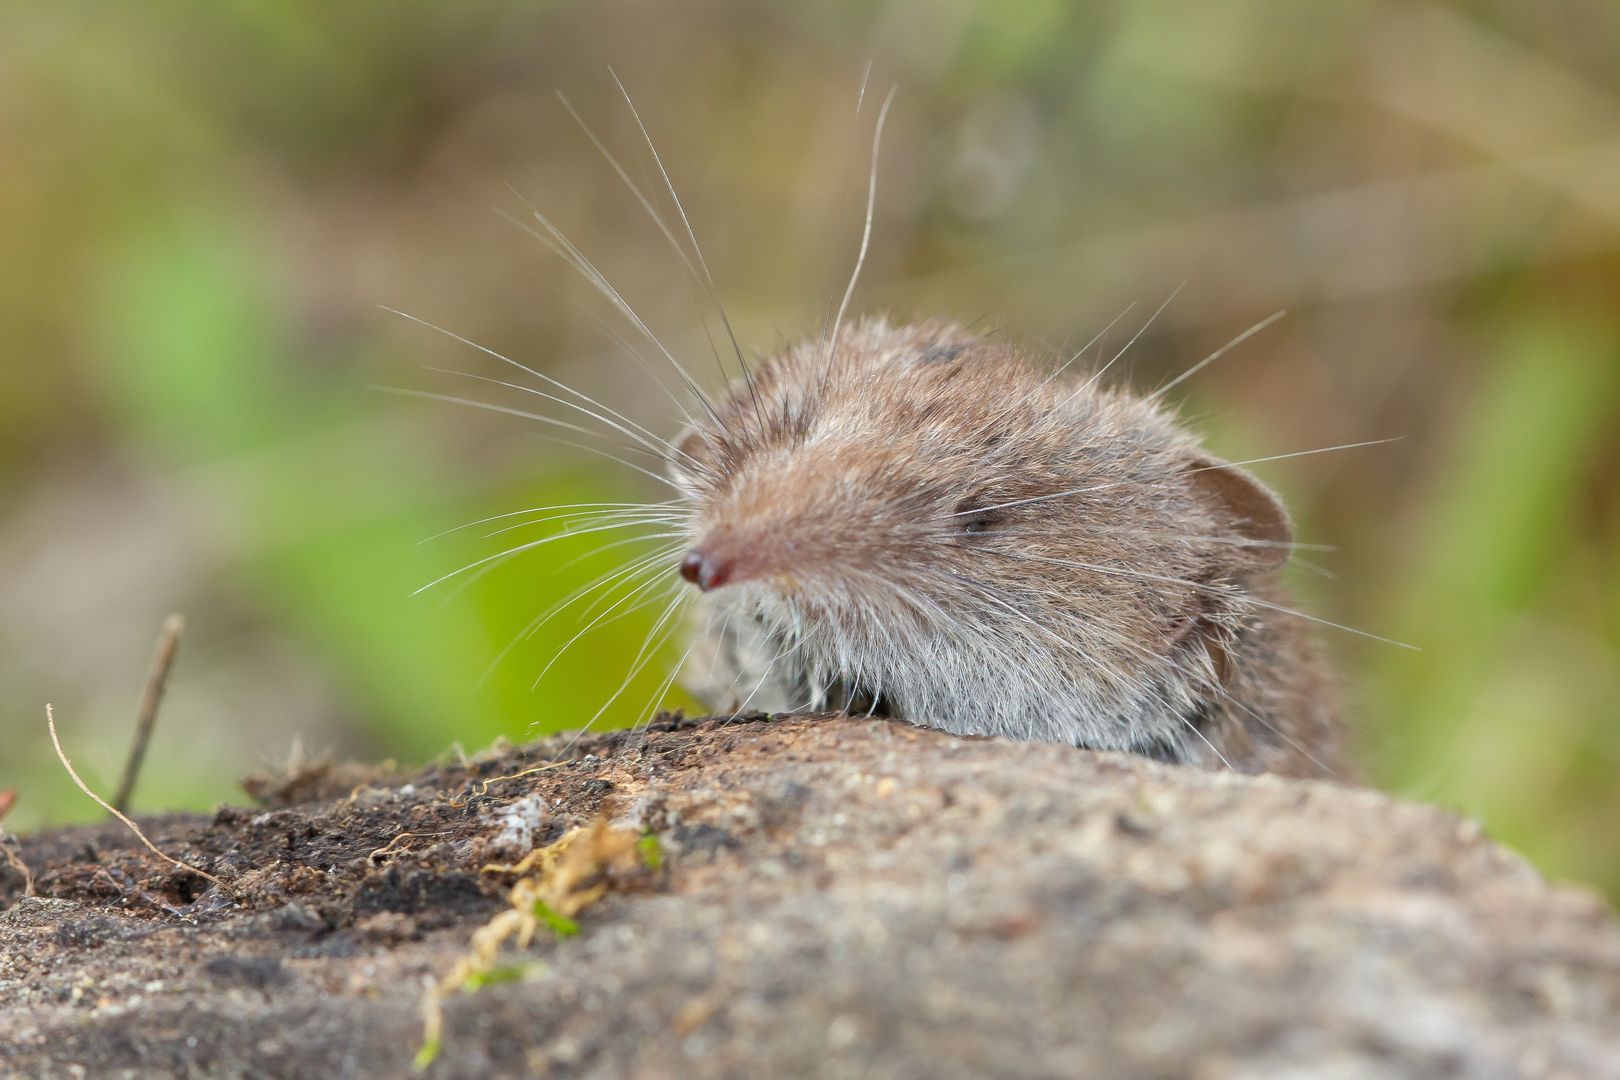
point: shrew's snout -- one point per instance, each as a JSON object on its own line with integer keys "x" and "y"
{"x": 727, "y": 557}
{"x": 707, "y": 568}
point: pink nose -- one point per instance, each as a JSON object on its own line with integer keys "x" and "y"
{"x": 705, "y": 570}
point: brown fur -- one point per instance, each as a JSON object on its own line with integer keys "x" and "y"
{"x": 868, "y": 504}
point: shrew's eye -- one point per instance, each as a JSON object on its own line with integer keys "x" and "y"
{"x": 971, "y": 518}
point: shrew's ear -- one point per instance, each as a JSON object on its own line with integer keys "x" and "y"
{"x": 690, "y": 453}
{"x": 1252, "y": 515}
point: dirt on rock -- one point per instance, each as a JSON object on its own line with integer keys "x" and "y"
{"x": 816, "y": 896}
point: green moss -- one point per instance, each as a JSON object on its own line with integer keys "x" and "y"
{"x": 427, "y": 1054}
{"x": 505, "y": 973}
{"x": 561, "y": 925}
{"x": 652, "y": 852}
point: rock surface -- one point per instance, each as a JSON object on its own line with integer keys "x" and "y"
{"x": 836, "y": 898}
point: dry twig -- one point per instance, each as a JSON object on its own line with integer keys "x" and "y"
{"x": 15, "y": 861}
{"x": 8, "y": 799}
{"x": 157, "y": 678}
{"x": 50, "y": 721}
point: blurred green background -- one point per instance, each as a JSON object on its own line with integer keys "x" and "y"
{"x": 203, "y": 205}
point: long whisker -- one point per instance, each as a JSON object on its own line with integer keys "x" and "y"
{"x": 866, "y": 230}
{"x": 1216, "y": 355}
{"x": 605, "y": 411}
{"x": 548, "y": 509}
{"x": 588, "y": 269}
{"x": 556, "y": 249}
{"x": 719, "y": 638}
{"x": 535, "y": 624}
{"x": 1192, "y": 727}
{"x": 654, "y": 563}
{"x": 601, "y": 325}
{"x": 1141, "y": 687}
{"x": 652, "y": 212}
{"x": 638, "y": 591}
{"x": 664, "y": 560}
{"x": 429, "y": 395}
{"x": 575, "y": 527}
{"x": 1100, "y": 372}
{"x": 516, "y": 550}
{"x": 503, "y": 557}
{"x": 1094, "y": 339}
{"x": 647, "y": 601}
{"x": 659, "y": 448}
{"x": 649, "y": 650}
{"x": 697, "y": 249}
{"x": 770, "y": 667}
{"x": 648, "y": 709}
{"x": 1292, "y": 545}
{"x": 635, "y": 189}
{"x": 860, "y": 101}
{"x": 615, "y": 458}
{"x": 1047, "y": 633}
{"x": 1273, "y": 728}
{"x": 628, "y": 541}
{"x": 471, "y": 403}
{"x": 1187, "y": 472}
{"x": 1316, "y": 568}
{"x": 1240, "y": 598}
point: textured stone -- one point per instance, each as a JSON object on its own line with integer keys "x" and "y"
{"x": 838, "y": 898}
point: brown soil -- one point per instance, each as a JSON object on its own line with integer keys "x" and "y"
{"x": 834, "y": 897}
